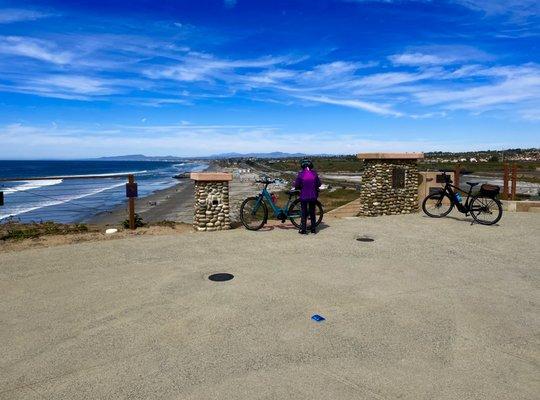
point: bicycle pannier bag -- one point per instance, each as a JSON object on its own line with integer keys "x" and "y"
{"x": 489, "y": 190}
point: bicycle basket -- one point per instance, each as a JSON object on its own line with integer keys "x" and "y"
{"x": 489, "y": 190}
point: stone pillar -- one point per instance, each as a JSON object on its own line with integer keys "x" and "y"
{"x": 211, "y": 201}
{"x": 389, "y": 183}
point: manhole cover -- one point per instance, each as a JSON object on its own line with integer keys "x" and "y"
{"x": 221, "y": 277}
{"x": 365, "y": 239}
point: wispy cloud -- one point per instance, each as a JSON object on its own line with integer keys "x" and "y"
{"x": 358, "y": 104}
{"x": 205, "y": 67}
{"x": 518, "y": 9}
{"x": 427, "y": 81}
{"x": 508, "y": 86}
{"x": 438, "y": 55}
{"x": 11, "y": 15}
{"x": 33, "y": 48}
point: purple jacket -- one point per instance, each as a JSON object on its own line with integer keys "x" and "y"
{"x": 308, "y": 183}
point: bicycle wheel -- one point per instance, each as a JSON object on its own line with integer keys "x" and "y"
{"x": 295, "y": 213}
{"x": 486, "y": 210}
{"x": 435, "y": 205}
{"x": 253, "y": 213}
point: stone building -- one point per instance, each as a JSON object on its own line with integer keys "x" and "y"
{"x": 212, "y": 210}
{"x": 389, "y": 183}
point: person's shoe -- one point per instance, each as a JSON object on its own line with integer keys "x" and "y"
{"x": 302, "y": 232}
{"x": 314, "y": 231}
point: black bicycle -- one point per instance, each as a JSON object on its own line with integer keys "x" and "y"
{"x": 484, "y": 206}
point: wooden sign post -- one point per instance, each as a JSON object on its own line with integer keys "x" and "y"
{"x": 457, "y": 175}
{"x": 505, "y": 182}
{"x": 131, "y": 194}
{"x": 514, "y": 180}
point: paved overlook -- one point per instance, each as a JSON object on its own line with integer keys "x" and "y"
{"x": 431, "y": 309}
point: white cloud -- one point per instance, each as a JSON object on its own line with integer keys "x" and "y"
{"x": 438, "y": 55}
{"x": 516, "y": 9}
{"x": 33, "y": 48}
{"x": 11, "y": 15}
{"x": 353, "y": 103}
{"x": 421, "y": 82}
{"x": 511, "y": 85}
{"x": 69, "y": 87}
{"x": 205, "y": 67}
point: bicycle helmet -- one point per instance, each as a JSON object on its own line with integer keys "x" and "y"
{"x": 306, "y": 163}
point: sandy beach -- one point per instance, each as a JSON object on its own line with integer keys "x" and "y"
{"x": 171, "y": 204}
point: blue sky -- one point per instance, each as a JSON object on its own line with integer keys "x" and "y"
{"x": 190, "y": 78}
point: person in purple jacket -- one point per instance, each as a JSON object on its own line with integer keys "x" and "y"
{"x": 308, "y": 183}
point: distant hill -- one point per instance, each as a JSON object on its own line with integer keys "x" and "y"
{"x": 142, "y": 157}
{"x": 275, "y": 154}
{"x": 139, "y": 157}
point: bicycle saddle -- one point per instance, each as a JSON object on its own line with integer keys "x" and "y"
{"x": 473, "y": 184}
{"x": 292, "y": 192}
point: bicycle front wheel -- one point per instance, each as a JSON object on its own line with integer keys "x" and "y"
{"x": 486, "y": 210}
{"x": 253, "y": 213}
{"x": 295, "y": 213}
{"x": 437, "y": 205}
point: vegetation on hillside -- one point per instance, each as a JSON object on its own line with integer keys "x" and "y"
{"x": 14, "y": 230}
{"x": 329, "y": 199}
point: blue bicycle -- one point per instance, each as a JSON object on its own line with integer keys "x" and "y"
{"x": 254, "y": 210}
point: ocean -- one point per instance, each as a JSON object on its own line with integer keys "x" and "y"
{"x": 76, "y": 200}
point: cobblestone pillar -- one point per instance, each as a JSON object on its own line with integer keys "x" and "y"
{"x": 389, "y": 183}
{"x": 211, "y": 201}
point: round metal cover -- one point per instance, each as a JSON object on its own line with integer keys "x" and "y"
{"x": 221, "y": 277}
{"x": 365, "y": 239}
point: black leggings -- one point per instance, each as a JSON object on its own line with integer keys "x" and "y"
{"x": 308, "y": 206}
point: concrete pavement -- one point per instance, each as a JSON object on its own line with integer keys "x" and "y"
{"x": 432, "y": 309}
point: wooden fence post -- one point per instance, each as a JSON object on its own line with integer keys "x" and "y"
{"x": 514, "y": 180}
{"x": 131, "y": 201}
{"x": 505, "y": 181}
{"x": 457, "y": 175}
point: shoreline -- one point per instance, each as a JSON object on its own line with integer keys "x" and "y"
{"x": 174, "y": 203}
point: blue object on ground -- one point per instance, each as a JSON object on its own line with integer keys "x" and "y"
{"x": 318, "y": 318}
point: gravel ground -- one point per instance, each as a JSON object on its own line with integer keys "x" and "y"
{"x": 432, "y": 309}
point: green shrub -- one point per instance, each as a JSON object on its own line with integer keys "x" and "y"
{"x": 138, "y": 222}
{"x": 14, "y": 230}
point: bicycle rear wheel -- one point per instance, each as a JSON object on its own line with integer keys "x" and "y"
{"x": 253, "y": 213}
{"x": 295, "y": 213}
{"x": 437, "y": 205}
{"x": 486, "y": 210}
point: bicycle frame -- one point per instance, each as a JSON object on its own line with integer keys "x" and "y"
{"x": 278, "y": 211}
{"x": 464, "y": 208}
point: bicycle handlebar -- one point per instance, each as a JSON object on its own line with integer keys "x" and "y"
{"x": 266, "y": 181}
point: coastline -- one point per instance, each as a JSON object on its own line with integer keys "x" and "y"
{"x": 174, "y": 203}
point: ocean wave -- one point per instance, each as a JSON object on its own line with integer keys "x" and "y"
{"x": 21, "y": 210}
{"x": 105, "y": 174}
{"x": 30, "y": 185}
